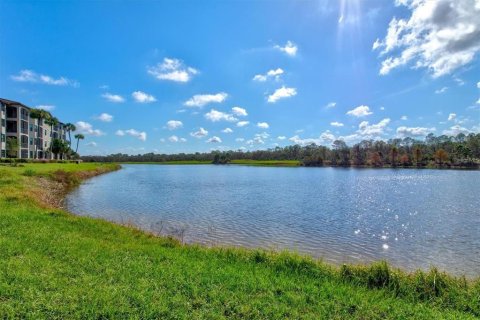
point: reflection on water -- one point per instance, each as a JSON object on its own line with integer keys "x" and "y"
{"x": 412, "y": 218}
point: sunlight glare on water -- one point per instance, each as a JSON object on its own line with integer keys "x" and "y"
{"x": 412, "y": 218}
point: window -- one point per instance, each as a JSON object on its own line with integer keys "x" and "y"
{"x": 3, "y": 123}
{"x": 4, "y": 153}
{"x": 24, "y": 127}
{"x": 31, "y": 141}
{"x": 31, "y": 154}
{"x": 24, "y": 141}
{"x": 3, "y": 138}
{"x": 31, "y": 127}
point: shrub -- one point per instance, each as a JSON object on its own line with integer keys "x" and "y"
{"x": 29, "y": 173}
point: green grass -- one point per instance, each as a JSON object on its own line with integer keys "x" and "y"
{"x": 172, "y": 162}
{"x": 268, "y": 163}
{"x": 54, "y": 265}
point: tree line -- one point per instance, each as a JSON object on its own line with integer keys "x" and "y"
{"x": 443, "y": 151}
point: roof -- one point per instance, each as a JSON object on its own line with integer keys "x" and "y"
{"x": 13, "y": 103}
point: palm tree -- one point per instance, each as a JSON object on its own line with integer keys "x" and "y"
{"x": 52, "y": 121}
{"x": 40, "y": 115}
{"x": 79, "y": 137}
{"x": 70, "y": 127}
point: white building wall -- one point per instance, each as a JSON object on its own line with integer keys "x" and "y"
{"x": 30, "y": 132}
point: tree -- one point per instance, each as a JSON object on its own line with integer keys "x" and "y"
{"x": 418, "y": 156}
{"x": 12, "y": 147}
{"x": 441, "y": 156}
{"x": 51, "y": 121}
{"x": 357, "y": 155}
{"x": 405, "y": 160}
{"x": 393, "y": 155}
{"x": 376, "y": 159}
{"x": 59, "y": 146}
{"x": 70, "y": 127}
{"x": 79, "y": 137}
{"x": 40, "y": 115}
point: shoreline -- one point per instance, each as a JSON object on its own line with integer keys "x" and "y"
{"x": 435, "y": 291}
{"x": 297, "y": 164}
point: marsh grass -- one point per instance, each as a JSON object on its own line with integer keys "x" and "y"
{"x": 54, "y": 265}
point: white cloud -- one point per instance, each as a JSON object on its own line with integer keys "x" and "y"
{"x": 281, "y": 137}
{"x": 326, "y": 138}
{"x": 452, "y": 116}
{"x": 45, "y": 107}
{"x": 105, "y": 117}
{"x": 336, "y": 124}
{"x": 414, "y": 131}
{"x": 87, "y": 129}
{"x": 259, "y": 138}
{"x": 263, "y": 125}
{"x": 240, "y": 139}
{"x": 242, "y": 123}
{"x": 214, "y": 139}
{"x": 200, "y": 133}
{"x": 176, "y": 139}
{"x": 91, "y": 144}
{"x": 459, "y": 81}
{"x": 174, "y": 124}
{"x": 456, "y": 129}
{"x": 274, "y": 73}
{"x": 442, "y": 90}
{"x": 478, "y": 84}
{"x": 282, "y": 93}
{"x": 440, "y": 35}
{"x": 331, "y": 105}
{"x": 240, "y": 112}
{"x": 32, "y": 76}
{"x": 382, "y": 108}
{"x": 172, "y": 70}
{"x": 290, "y": 48}
{"x": 215, "y": 115}
{"x": 132, "y": 132}
{"x": 377, "y": 129}
{"x": 360, "y": 111}
{"x": 404, "y": 118}
{"x": 227, "y": 130}
{"x": 143, "y": 97}
{"x": 365, "y": 131}
{"x": 113, "y": 97}
{"x": 200, "y": 100}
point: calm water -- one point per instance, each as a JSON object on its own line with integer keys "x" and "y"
{"x": 412, "y": 218}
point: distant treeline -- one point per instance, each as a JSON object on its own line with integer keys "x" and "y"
{"x": 442, "y": 151}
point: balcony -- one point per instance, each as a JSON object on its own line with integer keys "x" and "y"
{"x": 12, "y": 127}
{"x": 12, "y": 112}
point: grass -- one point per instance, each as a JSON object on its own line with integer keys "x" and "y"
{"x": 54, "y": 265}
{"x": 185, "y": 162}
{"x": 268, "y": 163}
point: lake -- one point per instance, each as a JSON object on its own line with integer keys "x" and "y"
{"x": 411, "y": 218}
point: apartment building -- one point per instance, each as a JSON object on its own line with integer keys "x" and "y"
{"x": 33, "y": 135}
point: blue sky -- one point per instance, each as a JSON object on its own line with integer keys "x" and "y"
{"x": 145, "y": 76}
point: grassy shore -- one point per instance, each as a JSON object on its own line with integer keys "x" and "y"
{"x": 54, "y": 265}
